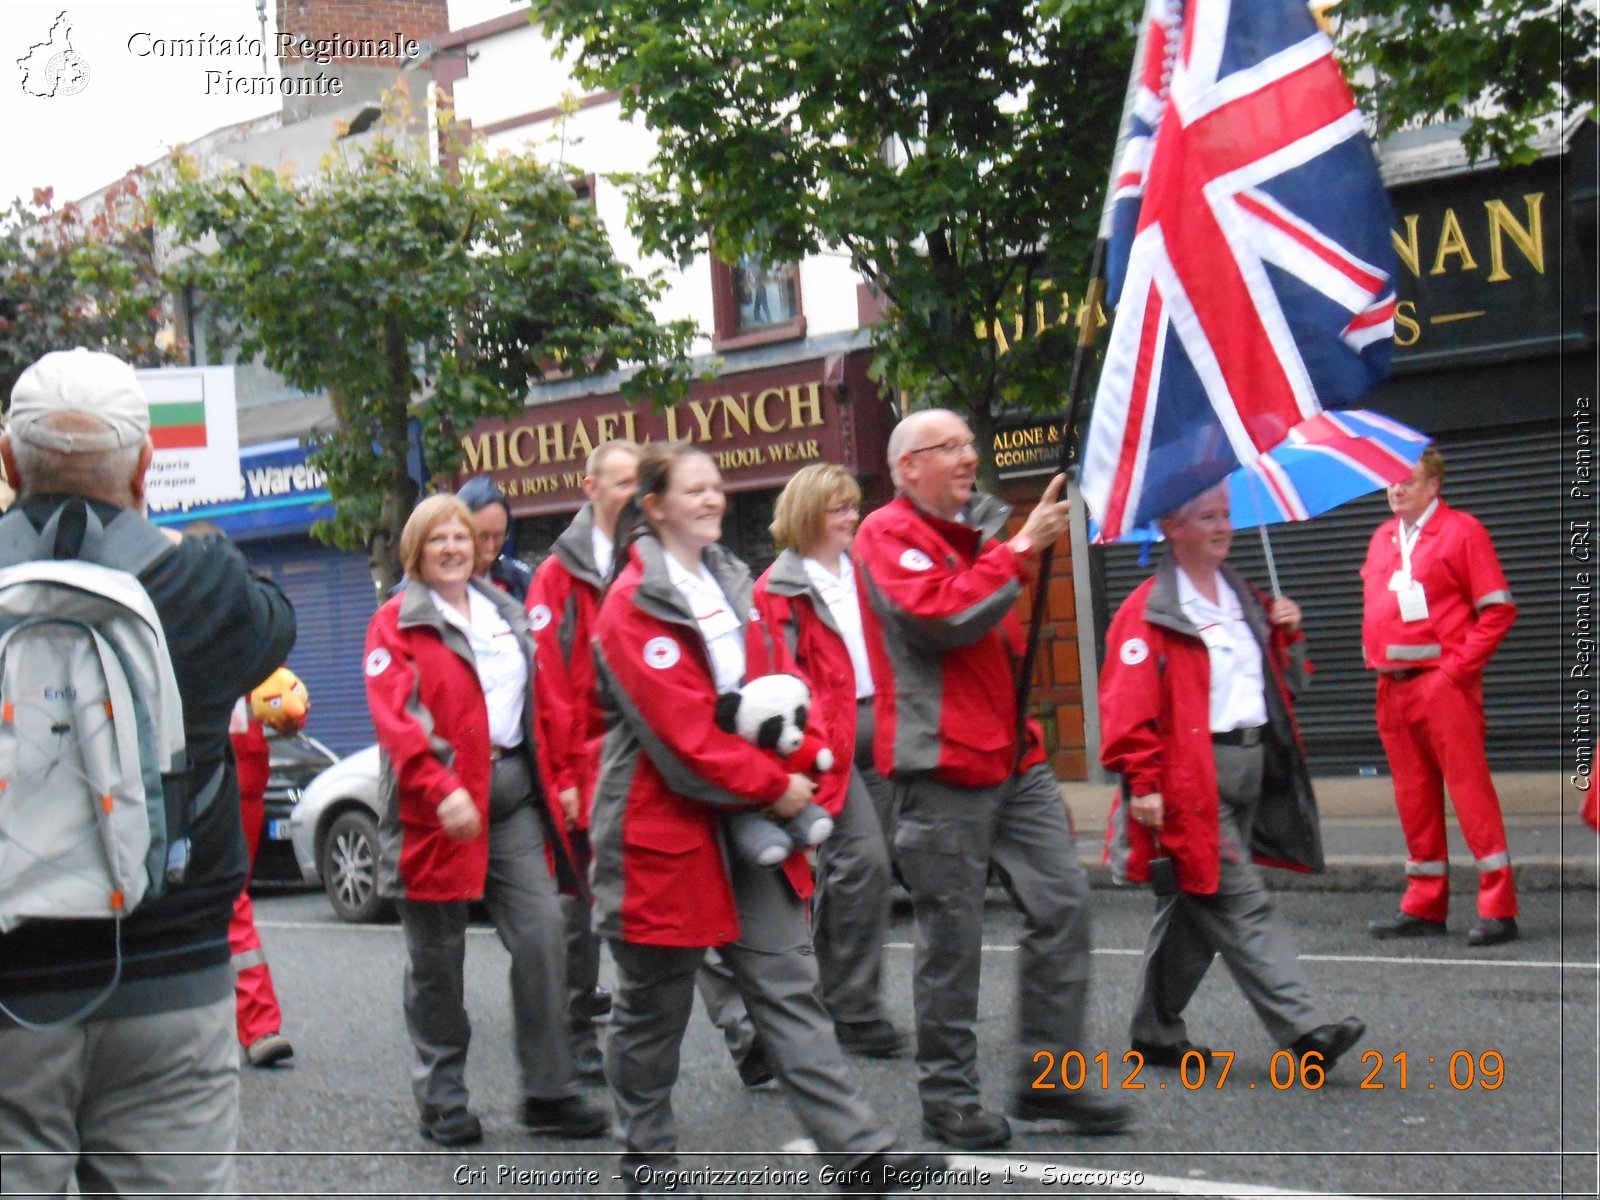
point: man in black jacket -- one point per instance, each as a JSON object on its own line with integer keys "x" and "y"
{"x": 154, "y": 1068}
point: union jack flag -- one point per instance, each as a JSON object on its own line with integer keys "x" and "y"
{"x": 1250, "y": 255}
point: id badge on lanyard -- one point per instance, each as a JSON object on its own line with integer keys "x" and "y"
{"x": 1408, "y": 591}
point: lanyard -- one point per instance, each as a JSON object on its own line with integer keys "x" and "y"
{"x": 1406, "y": 543}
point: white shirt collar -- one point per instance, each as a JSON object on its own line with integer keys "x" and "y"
{"x": 1423, "y": 519}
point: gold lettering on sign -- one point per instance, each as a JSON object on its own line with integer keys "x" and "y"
{"x": 702, "y": 417}
{"x": 480, "y": 457}
{"x": 812, "y": 404}
{"x": 672, "y": 426}
{"x": 580, "y": 445}
{"x": 605, "y": 427}
{"x": 1407, "y": 332}
{"x": 763, "y": 422}
{"x": 552, "y": 443}
{"x": 1406, "y": 248}
{"x": 1528, "y": 238}
{"x": 514, "y": 447}
{"x": 1452, "y": 241}
{"x": 736, "y": 412}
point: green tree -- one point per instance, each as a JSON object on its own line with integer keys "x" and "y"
{"x": 1503, "y": 65}
{"x": 418, "y": 298}
{"x": 958, "y": 152}
{"x": 74, "y": 278}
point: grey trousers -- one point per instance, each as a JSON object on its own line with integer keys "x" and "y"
{"x": 850, "y": 910}
{"x": 719, "y": 992}
{"x": 1237, "y": 923}
{"x": 522, "y": 901}
{"x": 946, "y": 840}
{"x": 583, "y": 951}
{"x": 778, "y": 983}
{"x": 165, "y": 1086}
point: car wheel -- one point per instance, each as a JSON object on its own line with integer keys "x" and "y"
{"x": 350, "y": 866}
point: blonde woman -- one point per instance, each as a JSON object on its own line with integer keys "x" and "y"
{"x": 809, "y": 594}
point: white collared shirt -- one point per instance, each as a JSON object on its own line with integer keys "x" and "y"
{"x": 719, "y": 623}
{"x": 1238, "y": 697}
{"x": 838, "y": 592}
{"x": 502, "y": 670}
{"x": 604, "y": 549}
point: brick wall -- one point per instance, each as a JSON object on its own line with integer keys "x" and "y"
{"x": 1057, "y": 696}
{"x": 358, "y": 19}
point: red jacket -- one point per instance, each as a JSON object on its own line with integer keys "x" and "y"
{"x": 938, "y": 611}
{"x": 1469, "y": 601}
{"x": 660, "y": 875}
{"x": 254, "y": 758}
{"x": 562, "y": 604}
{"x": 792, "y": 606}
{"x": 433, "y": 731}
{"x": 1155, "y": 719}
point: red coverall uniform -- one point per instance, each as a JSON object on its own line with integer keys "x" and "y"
{"x": 1430, "y": 701}
{"x": 258, "y": 1010}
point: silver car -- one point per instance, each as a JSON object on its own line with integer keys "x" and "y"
{"x": 334, "y": 830}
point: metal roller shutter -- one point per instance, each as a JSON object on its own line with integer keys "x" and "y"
{"x": 1509, "y": 477}
{"x": 333, "y": 600}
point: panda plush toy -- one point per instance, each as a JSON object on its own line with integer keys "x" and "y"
{"x": 770, "y": 712}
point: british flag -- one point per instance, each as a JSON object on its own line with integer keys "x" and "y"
{"x": 1250, "y": 256}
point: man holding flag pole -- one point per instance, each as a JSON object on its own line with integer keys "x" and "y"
{"x": 1251, "y": 266}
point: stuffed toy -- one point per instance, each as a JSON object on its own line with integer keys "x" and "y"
{"x": 280, "y": 701}
{"x": 770, "y": 712}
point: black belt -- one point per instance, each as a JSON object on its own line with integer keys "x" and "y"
{"x": 496, "y": 753}
{"x": 1404, "y": 673}
{"x": 1240, "y": 737}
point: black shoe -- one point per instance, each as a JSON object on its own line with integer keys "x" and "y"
{"x": 966, "y": 1126}
{"x": 593, "y": 1006}
{"x": 1404, "y": 925}
{"x": 1090, "y": 1112}
{"x": 1330, "y": 1041}
{"x": 269, "y": 1051}
{"x": 1156, "y": 1055}
{"x": 880, "y": 1174}
{"x": 870, "y": 1039}
{"x": 458, "y": 1128}
{"x": 755, "y": 1068}
{"x": 591, "y": 1065}
{"x": 1491, "y": 931}
{"x": 568, "y": 1117}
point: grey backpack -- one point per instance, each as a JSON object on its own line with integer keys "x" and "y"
{"x": 94, "y": 786}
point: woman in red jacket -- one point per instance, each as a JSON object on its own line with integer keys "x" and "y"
{"x": 809, "y": 594}
{"x": 449, "y": 670}
{"x": 676, "y": 630}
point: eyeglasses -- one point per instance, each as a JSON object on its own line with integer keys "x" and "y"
{"x": 948, "y": 449}
{"x": 842, "y": 510}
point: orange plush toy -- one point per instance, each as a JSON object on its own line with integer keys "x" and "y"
{"x": 281, "y": 701}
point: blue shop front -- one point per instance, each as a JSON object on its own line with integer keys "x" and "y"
{"x": 331, "y": 589}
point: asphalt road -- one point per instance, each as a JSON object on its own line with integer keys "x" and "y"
{"x": 340, "y": 1121}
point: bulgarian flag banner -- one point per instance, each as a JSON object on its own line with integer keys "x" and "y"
{"x": 194, "y": 427}
{"x": 178, "y": 425}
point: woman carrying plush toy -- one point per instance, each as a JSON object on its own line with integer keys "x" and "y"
{"x": 809, "y": 594}
{"x": 677, "y": 629}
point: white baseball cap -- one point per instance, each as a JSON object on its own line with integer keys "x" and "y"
{"x": 90, "y": 382}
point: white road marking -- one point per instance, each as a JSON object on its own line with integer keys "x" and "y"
{"x": 1376, "y": 959}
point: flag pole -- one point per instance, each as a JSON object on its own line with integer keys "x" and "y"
{"x": 1077, "y": 383}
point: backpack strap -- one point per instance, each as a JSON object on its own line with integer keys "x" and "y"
{"x": 130, "y": 542}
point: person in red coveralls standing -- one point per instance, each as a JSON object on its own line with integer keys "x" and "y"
{"x": 1437, "y": 605}
{"x": 1196, "y": 704}
{"x": 280, "y": 701}
{"x": 940, "y": 586}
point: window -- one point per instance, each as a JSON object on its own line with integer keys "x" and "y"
{"x": 755, "y": 301}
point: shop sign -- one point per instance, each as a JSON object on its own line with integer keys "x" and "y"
{"x": 275, "y": 492}
{"x": 759, "y": 427}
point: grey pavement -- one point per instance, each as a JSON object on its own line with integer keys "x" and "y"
{"x": 1551, "y": 848}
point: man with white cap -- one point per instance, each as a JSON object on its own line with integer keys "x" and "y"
{"x": 141, "y": 1095}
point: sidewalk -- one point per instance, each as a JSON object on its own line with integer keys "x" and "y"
{"x": 1551, "y": 849}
